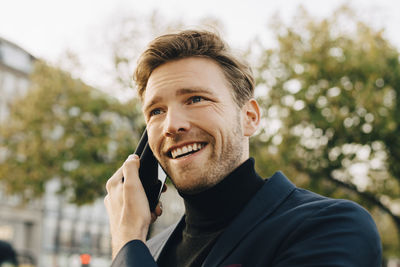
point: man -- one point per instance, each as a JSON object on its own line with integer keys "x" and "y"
{"x": 200, "y": 112}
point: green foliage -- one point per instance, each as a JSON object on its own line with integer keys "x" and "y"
{"x": 65, "y": 129}
{"x": 332, "y": 112}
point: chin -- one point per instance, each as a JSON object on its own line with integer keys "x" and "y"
{"x": 187, "y": 187}
{"x": 190, "y": 190}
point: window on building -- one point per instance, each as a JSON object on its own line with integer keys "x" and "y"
{"x": 16, "y": 58}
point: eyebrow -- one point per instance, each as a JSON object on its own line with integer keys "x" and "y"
{"x": 179, "y": 92}
{"x": 186, "y": 91}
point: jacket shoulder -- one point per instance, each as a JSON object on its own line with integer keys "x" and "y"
{"x": 335, "y": 229}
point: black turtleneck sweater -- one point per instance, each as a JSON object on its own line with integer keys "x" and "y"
{"x": 207, "y": 215}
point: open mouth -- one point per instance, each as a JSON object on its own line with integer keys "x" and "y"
{"x": 186, "y": 150}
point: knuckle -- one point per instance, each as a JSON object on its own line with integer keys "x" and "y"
{"x": 108, "y": 185}
{"x": 130, "y": 163}
{"x": 130, "y": 168}
{"x": 106, "y": 200}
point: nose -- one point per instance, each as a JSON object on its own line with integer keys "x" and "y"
{"x": 176, "y": 122}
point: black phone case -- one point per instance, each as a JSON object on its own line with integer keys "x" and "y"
{"x": 148, "y": 171}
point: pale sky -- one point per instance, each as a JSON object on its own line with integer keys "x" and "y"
{"x": 47, "y": 28}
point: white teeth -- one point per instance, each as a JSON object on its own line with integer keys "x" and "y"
{"x": 185, "y": 149}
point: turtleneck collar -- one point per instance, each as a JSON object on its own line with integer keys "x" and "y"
{"x": 213, "y": 209}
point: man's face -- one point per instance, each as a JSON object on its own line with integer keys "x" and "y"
{"x": 194, "y": 126}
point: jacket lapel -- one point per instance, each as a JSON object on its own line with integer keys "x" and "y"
{"x": 267, "y": 199}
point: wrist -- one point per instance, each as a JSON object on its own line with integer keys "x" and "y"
{"x": 134, "y": 232}
{"x": 140, "y": 233}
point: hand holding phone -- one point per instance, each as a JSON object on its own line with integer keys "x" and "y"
{"x": 151, "y": 174}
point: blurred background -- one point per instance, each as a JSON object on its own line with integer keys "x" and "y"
{"x": 328, "y": 81}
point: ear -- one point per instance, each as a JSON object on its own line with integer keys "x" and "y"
{"x": 251, "y": 117}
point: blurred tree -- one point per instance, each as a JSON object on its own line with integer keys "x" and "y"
{"x": 332, "y": 112}
{"x": 67, "y": 130}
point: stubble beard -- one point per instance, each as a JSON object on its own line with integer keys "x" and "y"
{"x": 217, "y": 167}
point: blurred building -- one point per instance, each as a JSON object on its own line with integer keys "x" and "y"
{"x": 70, "y": 231}
{"x": 15, "y": 66}
{"x": 48, "y": 231}
{"x": 20, "y": 225}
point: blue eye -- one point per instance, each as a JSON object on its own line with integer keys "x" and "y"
{"x": 155, "y": 112}
{"x": 196, "y": 99}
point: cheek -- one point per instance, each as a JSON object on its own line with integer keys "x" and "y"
{"x": 225, "y": 117}
{"x": 217, "y": 120}
{"x": 211, "y": 115}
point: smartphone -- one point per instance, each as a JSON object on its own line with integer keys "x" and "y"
{"x": 151, "y": 173}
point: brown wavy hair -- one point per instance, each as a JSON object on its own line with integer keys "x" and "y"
{"x": 195, "y": 43}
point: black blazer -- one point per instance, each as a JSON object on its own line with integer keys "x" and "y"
{"x": 282, "y": 225}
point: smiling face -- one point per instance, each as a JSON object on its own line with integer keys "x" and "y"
{"x": 196, "y": 130}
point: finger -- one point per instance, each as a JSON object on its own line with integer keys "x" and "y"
{"x": 114, "y": 179}
{"x": 130, "y": 157}
{"x": 106, "y": 201}
{"x": 130, "y": 170}
{"x": 159, "y": 209}
{"x": 132, "y": 187}
{"x": 156, "y": 213}
{"x": 114, "y": 196}
{"x": 153, "y": 218}
{"x": 165, "y": 187}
